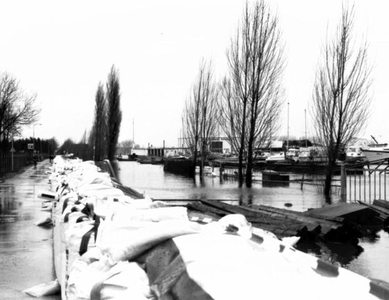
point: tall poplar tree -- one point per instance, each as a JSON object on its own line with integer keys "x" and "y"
{"x": 199, "y": 116}
{"x": 341, "y": 93}
{"x": 114, "y": 113}
{"x": 253, "y": 95}
{"x": 100, "y": 124}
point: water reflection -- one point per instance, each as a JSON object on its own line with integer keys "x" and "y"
{"x": 8, "y": 204}
{"x": 339, "y": 253}
{"x": 152, "y": 180}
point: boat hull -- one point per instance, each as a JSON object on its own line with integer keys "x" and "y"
{"x": 376, "y": 155}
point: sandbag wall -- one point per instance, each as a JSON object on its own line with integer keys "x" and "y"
{"x": 110, "y": 246}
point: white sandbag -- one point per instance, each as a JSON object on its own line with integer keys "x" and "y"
{"x": 129, "y": 214}
{"x": 74, "y": 217}
{"x": 92, "y": 278}
{"x": 47, "y": 221}
{"x": 74, "y": 235}
{"x": 124, "y": 242}
{"x": 59, "y": 245}
{"x": 82, "y": 277}
{"x": 44, "y": 289}
{"x": 227, "y": 266}
{"x": 107, "y": 205}
{"x": 64, "y": 201}
{"x": 136, "y": 203}
{"x": 236, "y": 223}
{"x": 99, "y": 190}
{"x": 125, "y": 280}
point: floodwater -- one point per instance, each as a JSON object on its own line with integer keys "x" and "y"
{"x": 370, "y": 259}
{"x": 26, "y": 253}
{"x": 158, "y": 184}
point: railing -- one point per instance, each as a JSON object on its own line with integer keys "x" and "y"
{"x": 366, "y": 184}
{"x": 9, "y": 162}
{"x": 13, "y": 162}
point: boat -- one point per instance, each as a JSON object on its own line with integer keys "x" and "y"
{"x": 274, "y": 178}
{"x": 145, "y": 160}
{"x": 290, "y": 156}
{"x": 376, "y": 152}
{"x": 151, "y": 160}
{"x": 157, "y": 161}
{"x": 124, "y": 157}
{"x": 112, "y": 242}
{"x": 355, "y": 155}
{"x": 312, "y": 155}
{"x": 293, "y": 154}
{"x": 278, "y": 157}
{"x": 207, "y": 171}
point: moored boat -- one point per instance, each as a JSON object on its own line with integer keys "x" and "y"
{"x": 124, "y": 157}
{"x": 355, "y": 155}
{"x": 376, "y": 152}
{"x": 278, "y": 157}
{"x": 312, "y": 155}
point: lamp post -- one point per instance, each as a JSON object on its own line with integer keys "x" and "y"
{"x": 12, "y": 153}
{"x": 33, "y": 135}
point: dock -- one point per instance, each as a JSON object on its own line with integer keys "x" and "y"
{"x": 343, "y": 222}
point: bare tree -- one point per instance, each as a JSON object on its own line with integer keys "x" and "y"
{"x": 230, "y": 115}
{"x": 100, "y": 124}
{"x": 341, "y": 93}
{"x": 84, "y": 138}
{"x": 199, "y": 121}
{"x": 17, "y": 108}
{"x": 127, "y": 145}
{"x": 254, "y": 100}
{"x": 114, "y": 116}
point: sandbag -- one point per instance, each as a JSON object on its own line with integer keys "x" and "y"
{"x": 91, "y": 277}
{"x": 79, "y": 238}
{"x": 99, "y": 190}
{"x": 44, "y": 289}
{"x": 124, "y": 242}
{"x": 128, "y": 214}
{"x": 168, "y": 276}
{"x": 82, "y": 277}
{"x": 125, "y": 280}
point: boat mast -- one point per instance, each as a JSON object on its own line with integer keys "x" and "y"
{"x": 305, "y": 117}
{"x": 287, "y": 141}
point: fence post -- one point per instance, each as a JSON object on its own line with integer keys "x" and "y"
{"x": 343, "y": 183}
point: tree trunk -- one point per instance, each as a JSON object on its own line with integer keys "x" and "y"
{"x": 194, "y": 162}
{"x": 240, "y": 167}
{"x": 249, "y": 166}
{"x": 328, "y": 180}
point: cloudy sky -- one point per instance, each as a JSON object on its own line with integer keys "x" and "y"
{"x": 61, "y": 50}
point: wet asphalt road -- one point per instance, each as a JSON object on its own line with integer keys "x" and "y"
{"x": 26, "y": 253}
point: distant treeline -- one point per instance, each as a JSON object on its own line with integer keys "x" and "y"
{"x": 27, "y": 145}
{"x": 82, "y": 150}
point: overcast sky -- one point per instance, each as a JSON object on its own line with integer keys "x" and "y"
{"x": 62, "y": 50}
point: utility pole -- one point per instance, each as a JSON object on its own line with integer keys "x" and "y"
{"x": 33, "y": 135}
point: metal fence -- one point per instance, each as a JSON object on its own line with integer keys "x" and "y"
{"x": 365, "y": 184}
{"x": 10, "y": 163}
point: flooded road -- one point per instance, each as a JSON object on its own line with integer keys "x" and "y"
{"x": 26, "y": 253}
